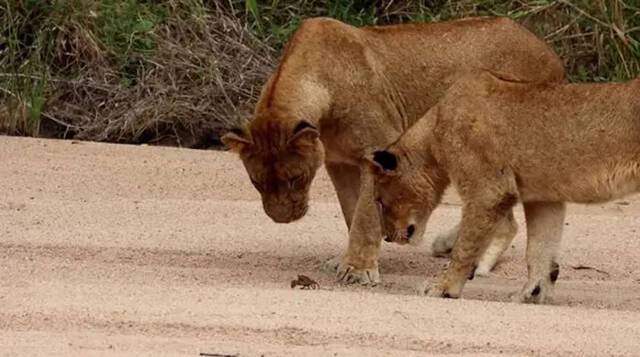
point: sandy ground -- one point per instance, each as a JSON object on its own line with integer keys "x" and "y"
{"x": 128, "y": 251}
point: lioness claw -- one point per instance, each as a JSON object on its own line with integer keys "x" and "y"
{"x": 350, "y": 275}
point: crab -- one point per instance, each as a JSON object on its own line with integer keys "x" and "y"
{"x": 304, "y": 281}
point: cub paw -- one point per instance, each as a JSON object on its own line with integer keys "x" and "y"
{"x": 535, "y": 293}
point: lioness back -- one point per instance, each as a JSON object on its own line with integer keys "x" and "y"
{"x": 407, "y": 66}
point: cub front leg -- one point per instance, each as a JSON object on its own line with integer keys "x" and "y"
{"x": 480, "y": 220}
{"x": 502, "y": 238}
{"x": 360, "y": 262}
{"x": 545, "y": 221}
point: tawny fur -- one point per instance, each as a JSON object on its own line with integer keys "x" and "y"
{"x": 359, "y": 89}
{"x": 498, "y": 142}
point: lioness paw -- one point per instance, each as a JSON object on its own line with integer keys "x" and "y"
{"x": 348, "y": 274}
{"x": 331, "y": 266}
{"x": 483, "y": 270}
{"x": 443, "y": 244}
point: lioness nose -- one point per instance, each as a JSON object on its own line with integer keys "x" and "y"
{"x": 284, "y": 212}
{"x": 410, "y": 230}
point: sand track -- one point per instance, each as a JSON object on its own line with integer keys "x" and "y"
{"x": 124, "y": 250}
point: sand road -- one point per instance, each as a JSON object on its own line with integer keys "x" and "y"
{"x": 122, "y": 250}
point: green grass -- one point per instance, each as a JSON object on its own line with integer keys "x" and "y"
{"x": 55, "y": 37}
{"x": 126, "y": 27}
{"x": 24, "y": 70}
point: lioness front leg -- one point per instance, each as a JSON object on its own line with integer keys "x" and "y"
{"x": 480, "y": 220}
{"x": 360, "y": 262}
{"x": 346, "y": 181}
{"x": 544, "y": 230}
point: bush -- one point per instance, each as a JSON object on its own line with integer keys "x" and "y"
{"x": 180, "y": 72}
{"x": 173, "y": 72}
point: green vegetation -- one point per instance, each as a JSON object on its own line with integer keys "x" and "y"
{"x": 173, "y": 72}
{"x": 181, "y": 72}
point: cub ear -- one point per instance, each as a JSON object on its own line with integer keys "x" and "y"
{"x": 383, "y": 162}
{"x": 236, "y": 139}
{"x": 304, "y": 133}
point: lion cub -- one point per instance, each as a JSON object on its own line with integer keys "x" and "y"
{"x": 499, "y": 142}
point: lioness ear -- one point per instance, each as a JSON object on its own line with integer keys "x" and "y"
{"x": 304, "y": 133}
{"x": 236, "y": 139}
{"x": 384, "y": 162}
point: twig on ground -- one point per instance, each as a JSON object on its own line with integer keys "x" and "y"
{"x": 584, "y": 267}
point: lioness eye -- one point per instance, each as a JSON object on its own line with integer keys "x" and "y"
{"x": 296, "y": 182}
{"x": 256, "y": 184}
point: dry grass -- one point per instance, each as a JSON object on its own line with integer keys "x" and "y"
{"x": 598, "y": 39}
{"x": 205, "y": 67}
{"x": 198, "y": 75}
{"x": 181, "y": 72}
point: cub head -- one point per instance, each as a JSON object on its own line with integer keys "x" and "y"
{"x": 281, "y": 159}
{"x": 405, "y": 194}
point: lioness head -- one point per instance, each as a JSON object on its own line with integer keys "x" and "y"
{"x": 405, "y": 194}
{"x": 281, "y": 160}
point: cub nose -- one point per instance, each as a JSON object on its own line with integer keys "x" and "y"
{"x": 410, "y": 230}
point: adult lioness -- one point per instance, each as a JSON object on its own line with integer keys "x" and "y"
{"x": 349, "y": 90}
{"x": 499, "y": 142}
